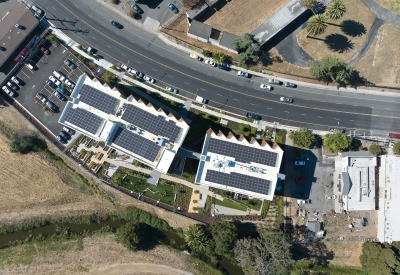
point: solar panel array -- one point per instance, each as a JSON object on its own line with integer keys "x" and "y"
{"x": 136, "y": 144}
{"x": 157, "y": 125}
{"x": 242, "y": 153}
{"x": 98, "y": 99}
{"x": 239, "y": 181}
{"x": 84, "y": 120}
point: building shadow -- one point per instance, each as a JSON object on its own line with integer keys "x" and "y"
{"x": 353, "y": 28}
{"x": 338, "y": 43}
{"x": 315, "y": 252}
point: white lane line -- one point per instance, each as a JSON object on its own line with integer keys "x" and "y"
{"x": 387, "y": 109}
{"x": 322, "y": 101}
{"x": 336, "y": 118}
{"x": 252, "y": 104}
{"x": 132, "y": 41}
{"x": 269, "y": 108}
{"x": 154, "y": 70}
{"x": 123, "y": 54}
{"x": 53, "y": 8}
{"x": 208, "y": 74}
{"x": 202, "y": 89}
{"x": 236, "y": 99}
{"x": 161, "y": 55}
{"x": 186, "y": 83}
{"x": 241, "y": 84}
{"x": 224, "y": 80}
{"x": 138, "y": 62}
{"x": 303, "y": 114}
{"x": 338, "y": 103}
{"x": 108, "y": 46}
{"x": 286, "y": 112}
{"x": 193, "y": 69}
{"x": 219, "y": 94}
{"x": 170, "y": 76}
{"x": 320, "y": 116}
{"x": 351, "y": 120}
{"x": 90, "y": 16}
{"x": 177, "y": 62}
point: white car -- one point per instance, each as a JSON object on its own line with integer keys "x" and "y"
{"x": 147, "y": 78}
{"x": 125, "y": 68}
{"x": 172, "y": 90}
{"x": 240, "y": 73}
{"x": 265, "y": 86}
{"x": 69, "y": 83}
{"x": 59, "y": 75}
{"x": 55, "y": 80}
{"x": 210, "y": 62}
{"x": 30, "y": 65}
{"x": 274, "y": 81}
{"x": 330, "y": 197}
{"x": 8, "y": 91}
{"x": 286, "y": 99}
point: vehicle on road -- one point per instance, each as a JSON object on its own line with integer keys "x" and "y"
{"x": 330, "y": 197}
{"x": 223, "y": 67}
{"x": 69, "y": 83}
{"x": 210, "y": 62}
{"x": 44, "y": 50}
{"x": 55, "y": 80}
{"x": 16, "y": 80}
{"x": 60, "y": 96}
{"x": 300, "y": 162}
{"x": 253, "y": 116}
{"x": 137, "y": 73}
{"x": 69, "y": 131}
{"x": 61, "y": 140}
{"x": 136, "y": 8}
{"x": 12, "y": 86}
{"x": 69, "y": 64}
{"x": 201, "y": 100}
{"x": 291, "y": 85}
{"x": 240, "y": 73}
{"x": 116, "y": 24}
{"x": 31, "y": 65}
{"x": 265, "y": 86}
{"x": 300, "y": 180}
{"x": 8, "y": 91}
{"x": 51, "y": 84}
{"x": 286, "y": 99}
{"x": 147, "y": 78}
{"x": 393, "y": 135}
{"x": 274, "y": 81}
{"x": 59, "y": 75}
{"x": 195, "y": 56}
{"x": 173, "y": 8}
{"x": 172, "y": 90}
{"x": 63, "y": 91}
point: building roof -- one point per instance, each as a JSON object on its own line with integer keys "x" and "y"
{"x": 314, "y": 226}
{"x": 389, "y": 199}
{"x": 346, "y": 183}
{"x": 357, "y": 154}
{"x": 200, "y": 29}
{"x": 198, "y": 9}
{"x": 11, "y": 36}
{"x": 227, "y": 39}
{"x": 126, "y": 124}
{"x": 239, "y": 165}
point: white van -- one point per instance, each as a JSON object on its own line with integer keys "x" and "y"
{"x": 59, "y": 75}
{"x": 37, "y": 11}
{"x": 201, "y": 100}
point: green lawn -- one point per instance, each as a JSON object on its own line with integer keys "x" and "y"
{"x": 252, "y": 203}
{"x": 242, "y": 129}
{"x": 230, "y": 204}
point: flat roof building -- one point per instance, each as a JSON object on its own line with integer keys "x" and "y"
{"x": 240, "y": 166}
{"x": 126, "y": 124}
{"x": 15, "y": 27}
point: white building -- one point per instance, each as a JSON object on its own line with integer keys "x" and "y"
{"x": 240, "y": 166}
{"x": 357, "y": 179}
{"x": 126, "y": 124}
{"x": 389, "y": 199}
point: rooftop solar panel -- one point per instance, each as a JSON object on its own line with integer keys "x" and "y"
{"x": 98, "y": 99}
{"x": 242, "y": 153}
{"x": 84, "y": 120}
{"x": 136, "y": 144}
{"x": 149, "y": 122}
{"x": 239, "y": 181}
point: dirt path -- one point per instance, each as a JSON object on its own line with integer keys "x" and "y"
{"x": 138, "y": 268}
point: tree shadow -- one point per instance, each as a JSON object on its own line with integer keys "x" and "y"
{"x": 353, "y": 28}
{"x": 338, "y": 43}
{"x": 316, "y": 253}
{"x": 267, "y": 60}
{"x": 357, "y": 80}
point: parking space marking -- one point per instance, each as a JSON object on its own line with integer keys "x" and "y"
{"x": 24, "y": 74}
{"x": 138, "y": 62}
{"x": 351, "y": 120}
{"x": 219, "y": 94}
{"x": 94, "y": 37}
{"x": 236, "y": 99}
{"x": 269, "y": 108}
{"x": 123, "y": 54}
{"x": 286, "y": 111}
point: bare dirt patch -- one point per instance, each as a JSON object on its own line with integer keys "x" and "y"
{"x": 393, "y": 5}
{"x": 381, "y": 64}
{"x": 344, "y": 37}
{"x": 345, "y": 254}
{"x": 239, "y": 17}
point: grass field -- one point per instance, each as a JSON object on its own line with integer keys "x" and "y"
{"x": 230, "y": 204}
{"x": 393, "y": 5}
{"x": 344, "y": 37}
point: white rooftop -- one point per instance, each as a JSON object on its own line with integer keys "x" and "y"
{"x": 389, "y": 199}
{"x": 238, "y": 165}
{"x": 138, "y": 129}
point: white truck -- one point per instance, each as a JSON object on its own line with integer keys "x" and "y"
{"x": 201, "y": 100}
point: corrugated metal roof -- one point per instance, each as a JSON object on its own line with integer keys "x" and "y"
{"x": 346, "y": 183}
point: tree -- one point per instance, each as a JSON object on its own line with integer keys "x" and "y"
{"x": 332, "y": 69}
{"x": 110, "y": 78}
{"x": 302, "y": 137}
{"x": 224, "y": 235}
{"x": 316, "y": 25}
{"x": 396, "y": 148}
{"x": 241, "y": 44}
{"x": 310, "y": 3}
{"x": 195, "y": 237}
{"x": 247, "y": 47}
{"x": 337, "y": 142}
{"x": 131, "y": 235}
{"x": 380, "y": 258}
{"x": 207, "y": 53}
{"x": 219, "y": 57}
{"x": 335, "y": 9}
{"x": 268, "y": 254}
{"x": 25, "y": 144}
{"x": 375, "y": 149}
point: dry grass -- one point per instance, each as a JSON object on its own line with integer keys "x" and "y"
{"x": 381, "y": 64}
{"x": 393, "y": 5}
{"x": 239, "y": 17}
{"x": 349, "y": 45}
{"x": 345, "y": 254}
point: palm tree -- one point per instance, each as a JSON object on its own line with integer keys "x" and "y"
{"x": 219, "y": 57}
{"x": 316, "y": 25}
{"x": 195, "y": 237}
{"x": 335, "y": 9}
{"x": 310, "y": 4}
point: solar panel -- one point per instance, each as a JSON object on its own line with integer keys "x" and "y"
{"x": 149, "y": 122}
{"x": 136, "y": 144}
{"x": 242, "y": 153}
{"x": 84, "y": 120}
{"x": 239, "y": 181}
{"x": 98, "y": 99}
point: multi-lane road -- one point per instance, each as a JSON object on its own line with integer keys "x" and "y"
{"x": 88, "y": 23}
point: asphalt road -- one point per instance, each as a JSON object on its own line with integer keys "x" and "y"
{"x": 88, "y": 23}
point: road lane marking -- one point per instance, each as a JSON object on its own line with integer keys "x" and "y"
{"x": 108, "y": 46}
{"x": 351, "y": 120}
{"x": 286, "y": 112}
{"x": 154, "y": 70}
{"x": 215, "y": 85}
{"x": 186, "y": 83}
{"x": 320, "y": 116}
{"x": 123, "y": 54}
{"x": 252, "y": 104}
{"x": 336, "y": 119}
{"x": 303, "y": 114}
{"x": 138, "y": 62}
{"x": 53, "y": 8}
{"x": 236, "y": 99}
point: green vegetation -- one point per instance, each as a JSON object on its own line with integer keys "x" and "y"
{"x": 203, "y": 267}
{"x": 52, "y": 39}
{"x": 183, "y": 195}
{"x": 396, "y": 148}
{"x": 335, "y": 9}
{"x": 138, "y": 215}
{"x": 109, "y": 78}
{"x": 280, "y": 204}
{"x": 247, "y": 48}
{"x": 25, "y": 144}
{"x": 115, "y": 2}
{"x": 254, "y": 204}
{"x": 223, "y": 236}
{"x": 242, "y": 129}
{"x": 265, "y": 208}
{"x": 310, "y": 3}
{"x": 337, "y": 142}
{"x": 140, "y": 164}
{"x": 132, "y": 235}
{"x": 195, "y": 237}
{"x": 331, "y": 69}
{"x": 375, "y": 149}
{"x": 302, "y": 268}
{"x": 381, "y": 258}
{"x": 230, "y": 204}
{"x": 220, "y": 57}
{"x": 302, "y": 137}
{"x": 316, "y": 25}
{"x": 207, "y": 53}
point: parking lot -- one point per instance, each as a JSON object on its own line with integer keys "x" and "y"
{"x": 157, "y": 9}
{"x": 34, "y": 81}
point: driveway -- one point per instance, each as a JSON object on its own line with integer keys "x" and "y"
{"x": 157, "y": 9}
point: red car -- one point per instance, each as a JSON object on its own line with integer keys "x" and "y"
{"x": 300, "y": 180}
{"x": 44, "y": 50}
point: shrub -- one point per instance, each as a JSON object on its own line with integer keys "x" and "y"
{"x": 81, "y": 58}
{"x": 131, "y": 235}
{"x": 115, "y": 2}
{"x": 195, "y": 201}
{"x": 207, "y": 53}
{"x": 52, "y": 39}
{"x": 196, "y": 191}
{"x": 80, "y": 47}
{"x": 132, "y": 14}
{"x": 46, "y": 109}
{"x": 26, "y": 144}
{"x": 375, "y": 149}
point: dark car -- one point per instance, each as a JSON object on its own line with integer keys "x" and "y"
{"x": 116, "y": 24}
{"x": 16, "y": 80}
{"x": 60, "y": 96}
{"x": 253, "y": 116}
{"x": 291, "y": 85}
{"x": 12, "y": 86}
{"x": 223, "y": 67}
{"x": 60, "y": 139}
{"x": 69, "y": 64}
{"x": 63, "y": 91}
{"x": 51, "y": 84}
{"x": 69, "y": 131}
{"x": 136, "y": 8}
{"x": 173, "y": 8}
{"x": 51, "y": 105}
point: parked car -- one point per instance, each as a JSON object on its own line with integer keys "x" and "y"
{"x": 274, "y": 81}
{"x": 289, "y": 84}
{"x": 59, "y": 75}
{"x": 60, "y": 96}
{"x": 63, "y": 135}
{"x": 60, "y": 139}
{"x": 69, "y": 131}
{"x": 195, "y": 56}
{"x": 69, "y": 83}
{"x": 286, "y": 99}
{"x": 173, "y": 8}
{"x": 240, "y": 73}
{"x": 330, "y": 197}
{"x": 201, "y": 100}
{"x": 116, "y": 24}
{"x": 253, "y": 116}
{"x": 51, "y": 105}
{"x": 8, "y": 91}
{"x": 223, "y": 67}
{"x": 38, "y": 12}
{"x": 300, "y": 162}
{"x": 51, "y": 84}
{"x": 31, "y": 65}
{"x": 16, "y": 80}
{"x": 264, "y": 86}
{"x": 55, "y": 80}
{"x": 147, "y": 78}
{"x": 172, "y": 90}
{"x": 136, "y": 8}
{"x": 41, "y": 98}
{"x": 137, "y": 73}
{"x": 62, "y": 90}
{"x": 69, "y": 64}
{"x": 44, "y": 50}
{"x": 300, "y": 180}
{"x": 210, "y": 62}
{"x": 12, "y": 86}
{"x": 125, "y": 68}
